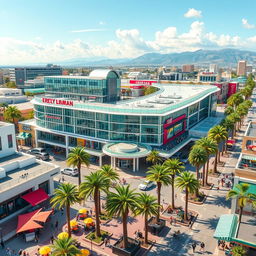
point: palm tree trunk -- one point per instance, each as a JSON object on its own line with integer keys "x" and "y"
{"x": 158, "y": 201}
{"x": 97, "y": 216}
{"x": 68, "y": 219}
{"x": 207, "y": 171}
{"x": 125, "y": 232}
{"x": 79, "y": 173}
{"x": 99, "y": 204}
{"x": 197, "y": 172}
{"x": 216, "y": 160}
{"x": 186, "y": 205}
{"x": 203, "y": 175}
{"x": 172, "y": 184}
{"x": 240, "y": 214}
{"x": 146, "y": 229}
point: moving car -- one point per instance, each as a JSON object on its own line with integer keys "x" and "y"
{"x": 39, "y": 153}
{"x": 70, "y": 171}
{"x": 146, "y": 184}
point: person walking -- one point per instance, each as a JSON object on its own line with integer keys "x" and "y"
{"x": 202, "y": 245}
{"x": 56, "y": 224}
{"x": 194, "y": 246}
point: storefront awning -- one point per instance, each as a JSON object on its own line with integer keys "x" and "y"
{"x": 36, "y": 197}
{"x": 226, "y": 228}
{"x": 32, "y": 220}
{"x": 23, "y": 135}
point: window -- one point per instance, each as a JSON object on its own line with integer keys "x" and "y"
{"x": 0, "y": 144}
{"x": 10, "y": 142}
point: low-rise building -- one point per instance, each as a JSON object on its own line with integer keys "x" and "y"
{"x": 170, "y": 76}
{"x": 22, "y": 177}
{"x": 245, "y": 171}
{"x": 208, "y": 77}
{"x": 11, "y": 96}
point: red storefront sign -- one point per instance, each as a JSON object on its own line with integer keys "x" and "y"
{"x": 143, "y": 82}
{"x": 232, "y": 87}
{"x": 53, "y": 117}
{"x": 174, "y": 128}
{"x": 58, "y": 102}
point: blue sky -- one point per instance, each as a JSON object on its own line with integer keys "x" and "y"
{"x": 54, "y": 30}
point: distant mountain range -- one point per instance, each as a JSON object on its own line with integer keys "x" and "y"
{"x": 224, "y": 57}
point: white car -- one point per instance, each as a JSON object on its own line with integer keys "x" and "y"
{"x": 70, "y": 171}
{"x": 146, "y": 185}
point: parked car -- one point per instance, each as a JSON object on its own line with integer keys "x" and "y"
{"x": 146, "y": 185}
{"x": 70, "y": 171}
{"x": 39, "y": 153}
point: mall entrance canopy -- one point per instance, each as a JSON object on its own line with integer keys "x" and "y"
{"x": 227, "y": 227}
{"x": 122, "y": 153}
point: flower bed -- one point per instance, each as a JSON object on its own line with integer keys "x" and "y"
{"x": 132, "y": 249}
{"x": 197, "y": 199}
{"x": 154, "y": 227}
{"x": 91, "y": 237}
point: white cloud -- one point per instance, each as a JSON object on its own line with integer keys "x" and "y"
{"x": 247, "y": 25}
{"x": 193, "y": 13}
{"x": 88, "y": 30}
{"x": 127, "y": 43}
{"x": 102, "y": 23}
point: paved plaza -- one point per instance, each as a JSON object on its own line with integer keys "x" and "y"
{"x": 201, "y": 231}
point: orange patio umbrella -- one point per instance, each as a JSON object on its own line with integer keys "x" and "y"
{"x": 30, "y": 220}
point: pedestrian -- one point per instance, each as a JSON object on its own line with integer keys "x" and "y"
{"x": 2, "y": 244}
{"x": 62, "y": 211}
{"x": 222, "y": 182}
{"x": 202, "y": 245}
{"x": 20, "y": 251}
{"x": 106, "y": 242}
{"x": 163, "y": 201}
{"x": 194, "y": 246}
{"x": 52, "y": 239}
{"x": 171, "y": 220}
{"x": 62, "y": 178}
{"x": 56, "y": 224}
{"x": 91, "y": 212}
{"x": 218, "y": 188}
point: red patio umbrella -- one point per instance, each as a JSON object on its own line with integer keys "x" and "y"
{"x": 30, "y": 220}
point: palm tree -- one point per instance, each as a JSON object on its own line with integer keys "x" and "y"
{"x": 198, "y": 157}
{"x": 236, "y": 118}
{"x": 12, "y": 114}
{"x": 218, "y": 133}
{"x": 154, "y": 157}
{"x": 120, "y": 203}
{"x": 235, "y": 99}
{"x": 161, "y": 175}
{"x": 93, "y": 184}
{"x": 76, "y": 158}
{"x": 229, "y": 110}
{"x": 64, "y": 196}
{"x": 210, "y": 146}
{"x": 109, "y": 173}
{"x": 238, "y": 251}
{"x": 241, "y": 193}
{"x": 229, "y": 124}
{"x": 188, "y": 182}
{"x": 64, "y": 247}
{"x": 174, "y": 166}
{"x": 147, "y": 207}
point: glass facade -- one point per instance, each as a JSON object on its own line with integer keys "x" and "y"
{"x": 85, "y": 88}
{"x": 112, "y": 127}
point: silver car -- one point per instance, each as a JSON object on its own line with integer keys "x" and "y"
{"x": 70, "y": 171}
{"x": 146, "y": 184}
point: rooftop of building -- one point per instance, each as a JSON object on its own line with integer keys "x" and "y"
{"x": 246, "y": 162}
{"x": 251, "y": 130}
{"x": 20, "y": 168}
{"x": 24, "y": 105}
{"x": 98, "y": 74}
{"x": 167, "y": 99}
{"x": 5, "y": 124}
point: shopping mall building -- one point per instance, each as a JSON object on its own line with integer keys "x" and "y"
{"x": 87, "y": 111}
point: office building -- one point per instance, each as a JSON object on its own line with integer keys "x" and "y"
{"x": 213, "y": 68}
{"x": 188, "y": 68}
{"x": 208, "y": 77}
{"x": 241, "y": 68}
{"x": 21, "y": 74}
{"x": 170, "y": 76}
{"x": 11, "y": 96}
